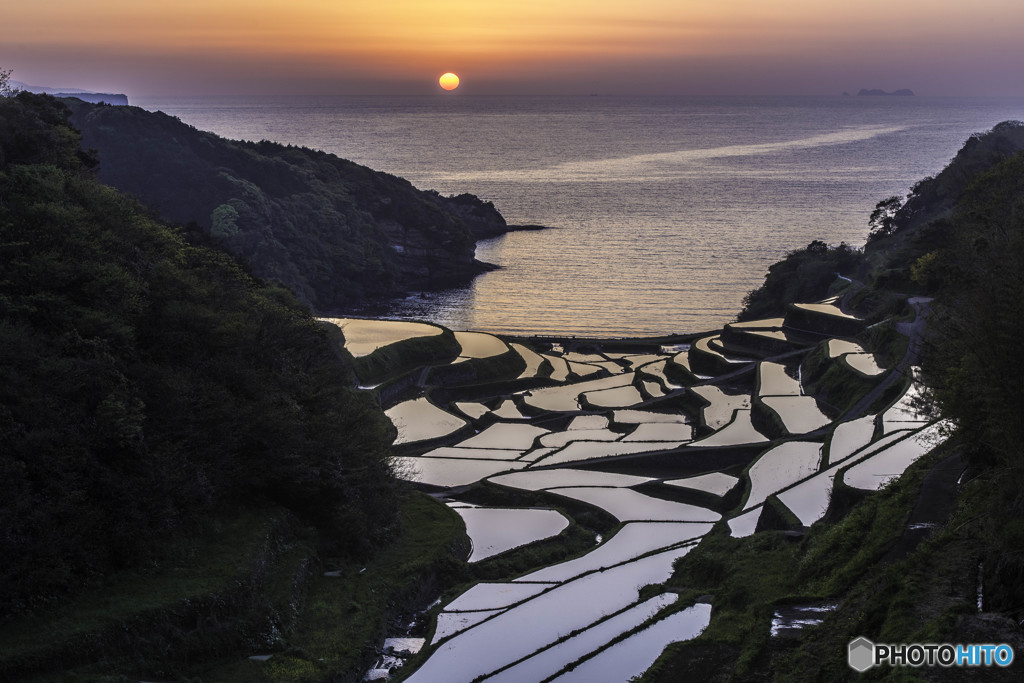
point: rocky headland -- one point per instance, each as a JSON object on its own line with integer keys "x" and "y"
{"x": 338, "y": 234}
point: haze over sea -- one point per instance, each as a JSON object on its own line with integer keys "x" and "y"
{"x": 666, "y": 211}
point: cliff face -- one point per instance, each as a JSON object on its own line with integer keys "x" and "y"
{"x": 338, "y": 234}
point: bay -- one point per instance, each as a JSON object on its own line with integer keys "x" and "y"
{"x": 664, "y": 212}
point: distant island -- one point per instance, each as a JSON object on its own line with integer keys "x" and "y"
{"x": 84, "y": 95}
{"x": 905, "y": 92}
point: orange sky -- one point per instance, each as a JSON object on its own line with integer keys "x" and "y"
{"x": 149, "y": 47}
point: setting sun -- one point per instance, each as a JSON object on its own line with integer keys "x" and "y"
{"x": 449, "y": 81}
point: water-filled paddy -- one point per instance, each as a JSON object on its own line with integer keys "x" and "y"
{"x": 646, "y": 416}
{"x": 478, "y": 345}
{"x": 905, "y": 413}
{"x": 532, "y": 359}
{"x": 872, "y": 473}
{"x": 420, "y": 420}
{"x": 739, "y": 432}
{"x": 505, "y": 435}
{"x": 704, "y": 345}
{"x": 722, "y": 405}
{"x": 631, "y": 541}
{"x": 863, "y": 363}
{"x": 473, "y": 411}
{"x": 826, "y": 309}
{"x": 588, "y": 422}
{"x": 762, "y": 324}
{"x": 584, "y": 369}
{"x": 850, "y": 437}
{"x": 657, "y": 369}
{"x": 745, "y": 524}
{"x": 634, "y": 655}
{"x": 363, "y": 337}
{"x": 549, "y": 479}
{"x": 578, "y": 451}
{"x": 552, "y": 660}
{"x": 717, "y": 483}
{"x": 799, "y": 414}
{"x": 448, "y": 472}
{"x": 564, "y": 398}
{"x": 497, "y": 530}
{"x": 780, "y": 467}
{"x": 473, "y": 453}
{"x": 559, "y": 439}
{"x": 449, "y": 623}
{"x": 809, "y": 499}
{"x": 488, "y": 596}
{"x": 619, "y": 397}
{"x": 561, "y": 368}
{"x": 627, "y": 505}
{"x": 508, "y": 410}
{"x": 541, "y": 621}
{"x": 661, "y": 431}
{"x": 773, "y": 381}
{"x": 534, "y": 447}
{"x": 837, "y": 347}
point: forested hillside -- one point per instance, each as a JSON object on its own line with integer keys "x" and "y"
{"x": 336, "y": 233}
{"x": 147, "y": 384}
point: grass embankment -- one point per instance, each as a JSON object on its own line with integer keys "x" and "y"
{"x": 842, "y": 562}
{"x": 393, "y": 360}
{"x": 251, "y": 584}
{"x": 222, "y": 591}
{"x": 345, "y": 616}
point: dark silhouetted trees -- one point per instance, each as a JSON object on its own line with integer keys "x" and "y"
{"x": 147, "y": 383}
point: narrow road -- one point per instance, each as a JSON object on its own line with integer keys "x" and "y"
{"x": 914, "y": 330}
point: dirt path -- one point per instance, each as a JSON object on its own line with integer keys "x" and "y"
{"x": 914, "y": 330}
{"x": 934, "y": 506}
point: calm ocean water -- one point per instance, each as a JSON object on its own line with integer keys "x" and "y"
{"x": 665, "y": 211}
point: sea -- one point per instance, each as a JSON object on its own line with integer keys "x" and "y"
{"x": 662, "y": 212}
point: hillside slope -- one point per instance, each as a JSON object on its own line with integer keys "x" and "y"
{"x": 148, "y": 385}
{"x": 336, "y": 233}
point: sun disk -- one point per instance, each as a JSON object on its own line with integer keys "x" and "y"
{"x": 449, "y": 81}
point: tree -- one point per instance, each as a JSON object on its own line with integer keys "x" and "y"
{"x": 6, "y": 89}
{"x": 883, "y": 219}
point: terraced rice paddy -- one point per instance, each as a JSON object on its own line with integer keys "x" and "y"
{"x": 721, "y": 406}
{"x": 781, "y": 467}
{"x": 612, "y": 410}
{"x": 420, "y": 420}
{"x": 799, "y": 414}
{"x": 773, "y": 381}
{"x": 478, "y": 345}
{"x": 716, "y": 483}
{"x": 849, "y": 437}
{"x": 532, "y": 359}
{"x": 496, "y": 530}
{"x": 363, "y": 337}
{"x": 863, "y": 363}
{"x": 740, "y": 431}
{"x": 874, "y": 472}
{"x": 826, "y": 309}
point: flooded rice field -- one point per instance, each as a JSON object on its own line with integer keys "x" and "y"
{"x": 637, "y": 431}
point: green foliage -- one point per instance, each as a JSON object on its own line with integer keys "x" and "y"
{"x": 146, "y": 382}
{"x": 335, "y": 233}
{"x": 212, "y": 593}
{"x": 972, "y": 359}
{"x": 804, "y": 275}
{"x": 883, "y": 219}
{"x": 344, "y": 615}
{"x": 6, "y": 89}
